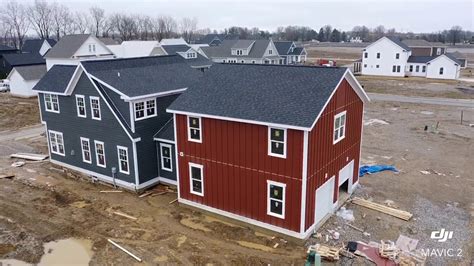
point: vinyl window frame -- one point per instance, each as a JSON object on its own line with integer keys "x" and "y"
{"x": 284, "y": 142}
{"x": 56, "y": 142}
{"x": 282, "y": 201}
{"x": 84, "y": 105}
{"x": 89, "y": 150}
{"x": 163, "y": 145}
{"x": 197, "y": 128}
{"x": 191, "y": 188}
{"x": 97, "y": 154}
{"x": 338, "y": 129}
{"x": 145, "y": 109}
{"x": 51, "y": 101}
{"x": 91, "y": 99}
{"x": 119, "y": 148}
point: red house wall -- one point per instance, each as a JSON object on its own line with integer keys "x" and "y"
{"x": 237, "y": 167}
{"x": 326, "y": 157}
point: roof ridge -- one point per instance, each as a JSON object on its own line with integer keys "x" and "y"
{"x": 127, "y": 59}
{"x": 270, "y": 65}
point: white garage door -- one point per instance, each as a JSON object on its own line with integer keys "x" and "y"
{"x": 346, "y": 173}
{"x": 324, "y": 197}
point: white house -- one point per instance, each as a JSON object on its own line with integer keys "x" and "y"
{"x": 388, "y": 56}
{"x": 129, "y": 49}
{"x": 173, "y": 41}
{"x": 22, "y": 79}
{"x": 71, "y": 49}
{"x": 41, "y": 46}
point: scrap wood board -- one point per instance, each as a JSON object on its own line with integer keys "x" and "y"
{"x": 30, "y": 156}
{"x": 404, "y": 215}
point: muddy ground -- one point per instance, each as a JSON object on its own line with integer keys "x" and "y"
{"x": 43, "y": 203}
{"x": 17, "y": 112}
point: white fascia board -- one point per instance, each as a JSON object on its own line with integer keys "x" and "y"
{"x": 151, "y": 95}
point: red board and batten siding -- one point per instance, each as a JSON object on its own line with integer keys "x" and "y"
{"x": 326, "y": 157}
{"x": 237, "y": 167}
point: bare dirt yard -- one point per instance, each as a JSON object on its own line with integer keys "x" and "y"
{"x": 43, "y": 203}
{"x": 17, "y": 112}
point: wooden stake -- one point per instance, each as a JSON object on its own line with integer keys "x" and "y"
{"x": 124, "y": 250}
{"x": 356, "y": 228}
{"x": 126, "y": 215}
{"x": 173, "y": 201}
{"x": 145, "y": 194}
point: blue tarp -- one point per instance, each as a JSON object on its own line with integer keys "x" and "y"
{"x": 371, "y": 169}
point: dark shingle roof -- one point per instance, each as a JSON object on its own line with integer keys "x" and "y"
{"x": 209, "y": 38}
{"x": 4, "y": 48}
{"x": 452, "y": 57}
{"x": 33, "y": 72}
{"x": 144, "y": 75}
{"x": 417, "y": 43}
{"x": 225, "y": 49}
{"x": 67, "y": 46}
{"x": 286, "y": 95}
{"x": 56, "y": 79}
{"x": 173, "y": 49}
{"x": 283, "y": 47}
{"x": 24, "y": 59}
{"x": 166, "y": 132}
{"x": 34, "y": 46}
{"x": 420, "y": 59}
{"x": 398, "y": 42}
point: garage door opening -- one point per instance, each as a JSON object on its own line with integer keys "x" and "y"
{"x": 344, "y": 191}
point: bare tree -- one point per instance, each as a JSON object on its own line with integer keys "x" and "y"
{"x": 40, "y": 15}
{"x": 166, "y": 27}
{"x": 98, "y": 19}
{"x": 378, "y": 32}
{"x": 81, "y": 23}
{"x": 187, "y": 27}
{"x": 14, "y": 15}
{"x": 454, "y": 34}
{"x": 125, "y": 26}
{"x": 63, "y": 23}
{"x": 144, "y": 27}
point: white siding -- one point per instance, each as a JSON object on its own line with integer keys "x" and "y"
{"x": 100, "y": 48}
{"x": 44, "y": 48}
{"x": 50, "y": 62}
{"x": 420, "y": 72}
{"x": 21, "y": 87}
{"x": 450, "y": 69}
{"x": 387, "y": 60}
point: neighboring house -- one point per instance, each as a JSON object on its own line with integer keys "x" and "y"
{"x": 128, "y": 49}
{"x": 388, "y": 56}
{"x": 214, "y": 39}
{"x": 7, "y": 50}
{"x": 244, "y": 51}
{"x": 9, "y": 61}
{"x": 40, "y": 46}
{"x": 101, "y": 116}
{"x": 71, "y": 49}
{"x": 22, "y": 79}
{"x": 243, "y": 152}
{"x": 173, "y": 41}
{"x": 195, "y": 58}
{"x": 290, "y": 52}
{"x": 460, "y": 57}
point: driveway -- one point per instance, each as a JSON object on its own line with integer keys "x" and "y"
{"x": 424, "y": 100}
{"x": 22, "y": 133}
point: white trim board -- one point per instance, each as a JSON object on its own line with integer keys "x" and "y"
{"x": 164, "y": 140}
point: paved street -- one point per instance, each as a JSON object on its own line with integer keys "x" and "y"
{"x": 426, "y": 100}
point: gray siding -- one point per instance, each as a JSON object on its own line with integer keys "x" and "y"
{"x": 108, "y": 130}
{"x": 165, "y": 173}
{"x": 120, "y": 104}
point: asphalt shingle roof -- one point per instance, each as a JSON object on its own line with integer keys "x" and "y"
{"x": 24, "y": 59}
{"x": 56, "y": 79}
{"x": 420, "y": 59}
{"x": 286, "y": 95}
{"x": 67, "y": 46}
{"x": 144, "y": 75}
{"x": 398, "y": 42}
{"x": 452, "y": 57}
{"x": 417, "y": 43}
{"x": 33, "y": 72}
{"x": 173, "y": 49}
{"x": 283, "y": 47}
{"x": 242, "y": 44}
{"x": 34, "y": 46}
{"x": 6, "y": 48}
{"x": 224, "y": 49}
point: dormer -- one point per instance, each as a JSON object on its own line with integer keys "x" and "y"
{"x": 292, "y": 47}
{"x": 242, "y": 47}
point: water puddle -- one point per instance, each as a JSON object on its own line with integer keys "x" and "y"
{"x": 67, "y": 252}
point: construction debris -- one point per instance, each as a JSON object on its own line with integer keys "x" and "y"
{"x": 145, "y": 194}
{"x": 8, "y": 176}
{"x": 406, "y": 244}
{"x": 173, "y": 201}
{"x": 276, "y": 245}
{"x": 387, "y": 249}
{"x": 30, "y": 156}
{"x": 356, "y": 228}
{"x": 404, "y": 215}
{"x": 126, "y": 215}
{"x": 110, "y": 191}
{"x": 329, "y": 253}
{"x": 18, "y": 164}
{"x": 124, "y": 250}
{"x": 345, "y": 214}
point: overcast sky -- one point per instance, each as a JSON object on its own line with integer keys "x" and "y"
{"x": 414, "y": 15}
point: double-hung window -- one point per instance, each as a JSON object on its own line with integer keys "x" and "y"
{"x": 191, "y": 55}
{"x": 194, "y": 129}
{"x": 51, "y": 102}
{"x": 397, "y": 56}
{"x": 196, "y": 179}
{"x": 277, "y": 142}
{"x": 276, "y": 199}
{"x": 378, "y": 55}
{"x": 122, "y": 153}
{"x": 99, "y": 153}
{"x": 56, "y": 142}
{"x": 81, "y": 106}
{"x": 166, "y": 161}
{"x": 441, "y": 71}
{"x": 95, "y": 108}
{"x": 145, "y": 109}
{"x": 86, "y": 150}
{"x": 339, "y": 127}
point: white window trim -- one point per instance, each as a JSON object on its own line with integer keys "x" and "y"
{"x": 170, "y": 157}
{"x": 201, "y": 167}
{"x": 189, "y": 129}
{"x": 334, "y": 127}
{"x": 52, "y": 108}
{"x": 269, "y": 143}
{"x": 119, "y": 160}
{"x": 92, "y": 109}
{"x": 51, "y": 144}
{"x": 144, "y": 110}
{"x": 82, "y": 150}
{"x": 97, "y": 154}
{"x": 77, "y": 105}
{"x": 283, "y": 185}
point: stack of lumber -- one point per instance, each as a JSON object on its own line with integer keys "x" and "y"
{"x": 30, "y": 156}
{"x": 387, "y": 249}
{"x": 404, "y": 215}
{"x": 329, "y": 253}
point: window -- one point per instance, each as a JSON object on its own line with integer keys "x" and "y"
{"x": 365, "y": 65}
{"x": 438, "y": 51}
{"x": 191, "y": 55}
{"x": 366, "y": 55}
{"x": 394, "y": 69}
{"x": 56, "y": 142}
{"x": 239, "y": 52}
{"x": 51, "y": 103}
{"x": 145, "y": 109}
{"x": 276, "y": 199}
{"x": 411, "y": 68}
{"x": 441, "y": 70}
{"x": 277, "y": 142}
{"x": 397, "y": 56}
{"x": 194, "y": 129}
{"x": 398, "y": 69}
{"x": 242, "y": 61}
{"x": 378, "y": 55}
{"x": 423, "y": 69}
{"x": 339, "y": 127}
{"x": 196, "y": 179}
{"x": 95, "y": 108}
{"x": 377, "y": 66}
{"x": 270, "y": 51}
{"x": 417, "y": 68}
{"x": 99, "y": 153}
{"x": 166, "y": 162}
{"x": 81, "y": 106}
{"x": 86, "y": 150}
{"x": 91, "y": 48}
{"x": 122, "y": 153}
{"x": 253, "y": 62}
{"x": 223, "y": 61}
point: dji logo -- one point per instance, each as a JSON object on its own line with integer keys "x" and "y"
{"x": 442, "y": 235}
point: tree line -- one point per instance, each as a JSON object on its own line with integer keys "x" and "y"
{"x": 54, "y": 20}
